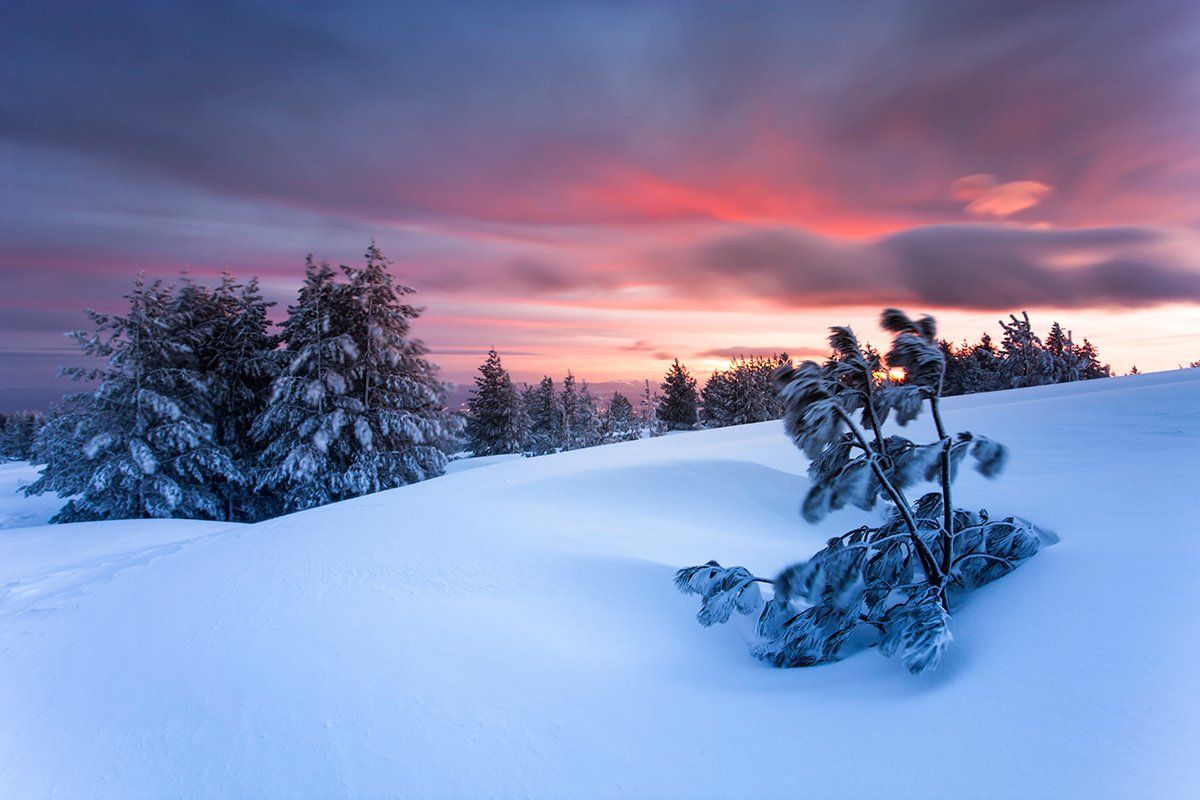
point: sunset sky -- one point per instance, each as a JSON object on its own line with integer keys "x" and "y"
{"x": 604, "y": 186}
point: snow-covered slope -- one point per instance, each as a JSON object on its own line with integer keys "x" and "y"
{"x": 16, "y": 510}
{"x": 511, "y": 630}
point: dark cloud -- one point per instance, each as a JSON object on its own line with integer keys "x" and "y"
{"x": 615, "y": 112}
{"x": 479, "y": 351}
{"x": 519, "y": 150}
{"x": 748, "y": 352}
{"x": 957, "y": 266}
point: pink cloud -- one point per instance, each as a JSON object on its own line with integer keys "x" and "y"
{"x": 986, "y": 197}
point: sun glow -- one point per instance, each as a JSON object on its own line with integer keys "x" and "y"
{"x": 893, "y": 375}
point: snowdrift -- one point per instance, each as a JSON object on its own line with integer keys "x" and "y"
{"x": 511, "y": 630}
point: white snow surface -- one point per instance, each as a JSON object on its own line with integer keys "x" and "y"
{"x": 512, "y": 630}
{"x": 16, "y": 510}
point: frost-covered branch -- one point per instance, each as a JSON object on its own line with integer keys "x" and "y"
{"x": 885, "y": 580}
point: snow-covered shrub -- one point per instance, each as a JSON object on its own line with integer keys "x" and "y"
{"x": 892, "y": 584}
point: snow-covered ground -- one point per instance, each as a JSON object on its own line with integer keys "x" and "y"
{"x": 511, "y": 630}
{"x": 16, "y": 510}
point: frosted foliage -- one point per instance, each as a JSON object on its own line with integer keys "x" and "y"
{"x": 496, "y": 421}
{"x": 359, "y": 408}
{"x": 892, "y": 584}
{"x": 722, "y": 591}
{"x": 743, "y": 393}
{"x": 143, "y": 443}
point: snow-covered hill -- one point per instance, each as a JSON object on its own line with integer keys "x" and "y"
{"x": 512, "y": 630}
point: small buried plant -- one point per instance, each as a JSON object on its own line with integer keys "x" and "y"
{"x": 892, "y": 584}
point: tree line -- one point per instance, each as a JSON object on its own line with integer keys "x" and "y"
{"x": 17, "y": 432}
{"x": 201, "y": 411}
{"x": 539, "y": 419}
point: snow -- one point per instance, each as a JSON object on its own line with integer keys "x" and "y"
{"x": 16, "y": 510}
{"x": 512, "y": 630}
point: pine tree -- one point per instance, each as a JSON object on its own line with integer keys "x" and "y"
{"x": 648, "y": 413}
{"x": 1091, "y": 364}
{"x": 743, "y": 393}
{"x": 524, "y": 422}
{"x": 1027, "y": 362}
{"x": 716, "y": 400}
{"x": 17, "y": 433}
{"x": 59, "y": 444}
{"x": 358, "y": 408}
{"x": 148, "y": 449}
{"x": 677, "y": 409}
{"x": 545, "y": 418}
{"x": 402, "y": 429}
{"x": 586, "y": 425}
{"x": 619, "y": 423}
{"x": 234, "y": 351}
{"x": 568, "y": 410}
{"x": 893, "y": 584}
{"x": 304, "y": 450}
{"x": 494, "y": 422}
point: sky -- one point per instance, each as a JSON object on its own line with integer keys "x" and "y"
{"x": 605, "y": 186}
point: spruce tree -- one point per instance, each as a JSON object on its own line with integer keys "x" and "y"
{"x": 1027, "y": 362}
{"x": 545, "y": 418}
{"x": 568, "y": 410}
{"x": 619, "y": 423}
{"x": 743, "y": 393}
{"x": 648, "y": 413}
{"x": 301, "y": 431}
{"x": 586, "y": 425}
{"x": 716, "y": 399}
{"x": 677, "y": 409}
{"x": 402, "y": 429}
{"x": 146, "y": 442}
{"x": 494, "y": 422}
{"x": 234, "y": 351}
{"x": 358, "y": 408}
{"x": 17, "y": 433}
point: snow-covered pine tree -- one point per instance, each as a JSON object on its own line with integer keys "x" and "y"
{"x": 743, "y": 393}
{"x": 545, "y": 418}
{"x": 1090, "y": 360}
{"x": 147, "y": 447}
{"x": 234, "y": 351}
{"x": 1027, "y": 362}
{"x": 648, "y": 419}
{"x": 716, "y": 400}
{"x": 585, "y": 427}
{"x": 677, "y": 408}
{"x": 17, "y": 433}
{"x": 619, "y": 424}
{"x": 402, "y": 429}
{"x": 524, "y": 422}
{"x": 568, "y": 409}
{"x": 59, "y": 444}
{"x": 358, "y": 407}
{"x": 494, "y": 421}
{"x": 972, "y": 368}
{"x": 893, "y": 584}
{"x": 301, "y": 431}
